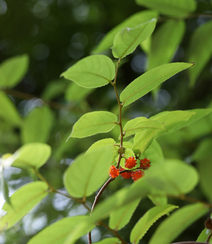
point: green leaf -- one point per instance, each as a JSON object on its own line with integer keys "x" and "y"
{"x": 173, "y": 177}
{"x": 32, "y": 155}
{"x": 8, "y": 110}
{"x": 142, "y": 140}
{"x": 172, "y": 120}
{"x": 203, "y": 236}
{"x": 146, "y": 221}
{"x": 111, "y": 240}
{"x": 91, "y": 72}
{"x": 203, "y": 156}
{"x": 59, "y": 231}
{"x": 200, "y": 50}
{"x": 175, "y": 224}
{"x": 13, "y": 70}
{"x": 88, "y": 172}
{"x": 120, "y": 217}
{"x": 150, "y": 80}
{"x": 128, "y": 39}
{"x": 158, "y": 197}
{"x": 141, "y": 124}
{"x": 162, "y": 48}
{"x": 154, "y": 152}
{"x": 93, "y": 123}
{"x": 23, "y": 200}
{"x": 76, "y": 93}
{"x": 37, "y": 125}
{"x": 175, "y": 8}
{"x": 4, "y": 188}
{"x": 131, "y": 22}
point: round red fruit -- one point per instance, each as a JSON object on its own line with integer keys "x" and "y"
{"x": 113, "y": 171}
{"x": 145, "y": 163}
{"x": 125, "y": 175}
{"x": 137, "y": 174}
{"x": 130, "y": 162}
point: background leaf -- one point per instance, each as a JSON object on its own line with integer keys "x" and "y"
{"x": 111, "y": 240}
{"x": 130, "y": 22}
{"x": 128, "y": 39}
{"x": 200, "y": 50}
{"x": 91, "y": 72}
{"x": 37, "y": 125}
{"x": 150, "y": 80}
{"x": 175, "y": 8}
{"x": 23, "y": 200}
{"x": 175, "y": 224}
{"x": 8, "y": 110}
{"x": 13, "y": 70}
{"x": 147, "y": 220}
{"x": 163, "y": 48}
{"x": 88, "y": 172}
{"x": 4, "y": 188}
{"x": 93, "y": 123}
{"x": 31, "y": 155}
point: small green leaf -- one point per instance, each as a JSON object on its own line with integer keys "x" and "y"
{"x": 23, "y": 200}
{"x": 37, "y": 125}
{"x": 172, "y": 120}
{"x": 141, "y": 124}
{"x": 128, "y": 39}
{"x": 8, "y": 110}
{"x": 146, "y": 221}
{"x": 131, "y": 22}
{"x": 143, "y": 139}
{"x": 76, "y": 93}
{"x": 59, "y": 231}
{"x": 120, "y": 217}
{"x": 173, "y": 177}
{"x": 91, "y": 72}
{"x": 32, "y": 155}
{"x": 175, "y": 8}
{"x": 162, "y": 48}
{"x": 88, "y": 172}
{"x": 93, "y": 123}
{"x": 200, "y": 50}
{"x": 13, "y": 70}
{"x": 150, "y": 80}
{"x": 175, "y": 224}
{"x": 111, "y": 240}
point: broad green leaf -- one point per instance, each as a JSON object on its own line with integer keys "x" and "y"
{"x": 162, "y": 48}
{"x": 31, "y": 155}
{"x": 143, "y": 139}
{"x": 13, "y": 70}
{"x": 23, "y": 200}
{"x": 128, "y": 39}
{"x": 8, "y": 110}
{"x": 54, "y": 88}
{"x": 76, "y": 93}
{"x": 93, "y": 123}
{"x": 141, "y": 124}
{"x": 203, "y": 156}
{"x": 175, "y": 224}
{"x": 88, "y": 172}
{"x": 111, "y": 240}
{"x": 120, "y": 217}
{"x": 203, "y": 236}
{"x": 172, "y": 120}
{"x": 175, "y": 8}
{"x": 150, "y": 80}
{"x": 59, "y": 231}
{"x": 104, "y": 143}
{"x": 91, "y": 72}
{"x": 37, "y": 125}
{"x": 131, "y": 22}
{"x": 154, "y": 152}
{"x": 146, "y": 221}
{"x": 158, "y": 197}
{"x": 200, "y": 50}
{"x": 173, "y": 177}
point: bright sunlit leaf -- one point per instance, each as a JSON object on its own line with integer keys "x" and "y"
{"x": 91, "y": 72}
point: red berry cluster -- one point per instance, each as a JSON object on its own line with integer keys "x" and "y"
{"x": 130, "y": 163}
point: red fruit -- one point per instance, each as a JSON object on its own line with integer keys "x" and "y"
{"x": 125, "y": 175}
{"x": 113, "y": 171}
{"x": 145, "y": 163}
{"x": 137, "y": 174}
{"x": 130, "y": 162}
